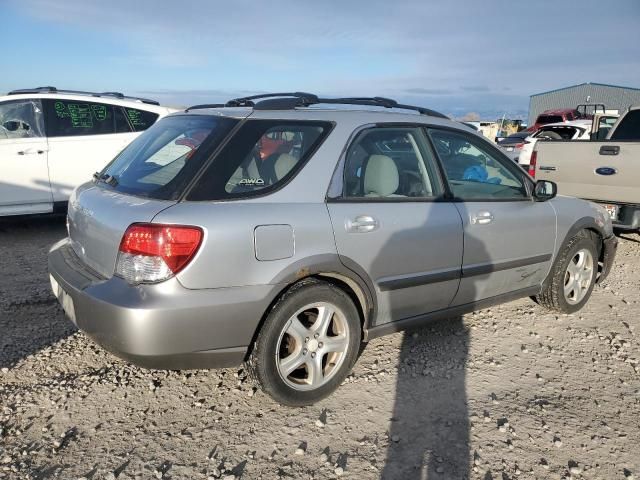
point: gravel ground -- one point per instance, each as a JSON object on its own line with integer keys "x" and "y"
{"x": 510, "y": 392}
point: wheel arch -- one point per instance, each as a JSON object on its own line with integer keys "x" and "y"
{"x": 589, "y": 224}
{"x": 328, "y": 269}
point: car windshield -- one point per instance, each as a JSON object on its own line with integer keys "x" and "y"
{"x": 161, "y": 161}
{"x": 515, "y": 138}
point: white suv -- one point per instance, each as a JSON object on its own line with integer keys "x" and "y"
{"x": 53, "y": 140}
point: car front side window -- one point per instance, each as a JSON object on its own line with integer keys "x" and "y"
{"x": 21, "y": 119}
{"x": 473, "y": 171}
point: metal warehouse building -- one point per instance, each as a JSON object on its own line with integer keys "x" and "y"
{"x": 612, "y": 96}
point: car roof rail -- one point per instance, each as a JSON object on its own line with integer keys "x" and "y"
{"x": 50, "y": 89}
{"x": 205, "y": 105}
{"x": 381, "y": 102}
{"x": 291, "y": 100}
{"x": 249, "y": 101}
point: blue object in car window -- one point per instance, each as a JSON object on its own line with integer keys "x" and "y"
{"x": 477, "y": 173}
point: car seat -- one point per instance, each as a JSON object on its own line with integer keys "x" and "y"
{"x": 381, "y": 177}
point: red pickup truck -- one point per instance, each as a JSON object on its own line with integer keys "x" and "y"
{"x": 555, "y": 116}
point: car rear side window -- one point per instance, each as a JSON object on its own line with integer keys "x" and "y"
{"x": 72, "y": 118}
{"x": 262, "y": 156}
{"x": 165, "y": 158}
{"x": 140, "y": 119}
{"x": 390, "y": 163}
{"x": 544, "y": 119}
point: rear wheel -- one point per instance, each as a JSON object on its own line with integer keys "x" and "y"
{"x": 307, "y": 345}
{"x": 573, "y": 275}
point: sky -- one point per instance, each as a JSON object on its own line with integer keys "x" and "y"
{"x": 455, "y": 56}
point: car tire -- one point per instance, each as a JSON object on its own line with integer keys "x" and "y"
{"x": 573, "y": 275}
{"x": 307, "y": 345}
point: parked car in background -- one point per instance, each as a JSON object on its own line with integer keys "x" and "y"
{"x": 366, "y": 223}
{"x": 554, "y": 116}
{"x": 53, "y": 140}
{"x": 604, "y": 171}
{"x": 574, "y": 130}
{"x": 512, "y": 145}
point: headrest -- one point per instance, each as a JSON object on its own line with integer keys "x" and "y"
{"x": 381, "y": 176}
{"x": 284, "y": 164}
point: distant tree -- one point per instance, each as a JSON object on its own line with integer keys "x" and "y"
{"x": 471, "y": 117}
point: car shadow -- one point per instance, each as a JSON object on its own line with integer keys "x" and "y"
{"x": 30, "y": 318}
{"x": 625, "y": 236}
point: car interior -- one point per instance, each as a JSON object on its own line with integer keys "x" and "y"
{"x": 386, "y": 163}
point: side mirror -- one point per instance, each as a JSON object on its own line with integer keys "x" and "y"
{"x": 544, "y": 190}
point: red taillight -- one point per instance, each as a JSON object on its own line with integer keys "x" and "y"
{"x": 532, "y": 163}
{"x": 175, "y": 244}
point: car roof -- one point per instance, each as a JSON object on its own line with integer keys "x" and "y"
{"x": 303, "y": 105}
{"x": 124, "y": 102}
{"x": 558, "y": 111}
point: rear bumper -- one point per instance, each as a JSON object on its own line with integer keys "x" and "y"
{"x": 609, "y": 250}
{"x": 165, "y": 325}
{"x": 628, "y": 218}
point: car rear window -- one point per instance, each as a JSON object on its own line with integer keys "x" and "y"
{"x": 549, "y": 119}
{"x": 262, "y": 156}
{"x": 140, "y": 119}
{"x": 160, "y": 162}
{"x": 629, "y": 128}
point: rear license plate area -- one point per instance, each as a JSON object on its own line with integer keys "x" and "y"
{"x": 64, "y": 298}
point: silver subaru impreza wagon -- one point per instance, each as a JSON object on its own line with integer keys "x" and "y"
{"x": 286, "y": 230}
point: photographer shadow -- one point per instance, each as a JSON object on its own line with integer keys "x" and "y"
{"x": 429, "y": 429}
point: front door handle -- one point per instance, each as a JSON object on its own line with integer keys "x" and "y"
{"x": 609, "y": 150}
{"x": 482, "y": 218}
{"x": 362, "y": 224}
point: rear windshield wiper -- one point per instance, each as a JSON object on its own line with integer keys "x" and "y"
{"x": 111, "y": 180}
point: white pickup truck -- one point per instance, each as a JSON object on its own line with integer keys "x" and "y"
{"x": 606, "y": 172}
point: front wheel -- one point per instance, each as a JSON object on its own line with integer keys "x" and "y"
{"x": 307, "y": 345}
{"x": 573, "y": 275}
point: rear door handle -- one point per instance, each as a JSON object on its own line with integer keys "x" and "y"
{"x": 482, "y": 218}
{"x": 362, "y": 224}
{"x": 609, "y": 150}
{"x": 547, "y": 168}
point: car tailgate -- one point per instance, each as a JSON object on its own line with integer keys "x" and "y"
{"x": 604, "y": 171}
{"x": 97, "y": 219}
